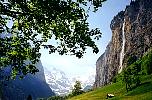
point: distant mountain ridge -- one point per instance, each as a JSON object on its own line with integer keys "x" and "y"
{"x": 61, "y": 84}
{"x": 58, "y": 81}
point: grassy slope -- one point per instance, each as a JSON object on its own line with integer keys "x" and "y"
{"x": 143, "y": 92}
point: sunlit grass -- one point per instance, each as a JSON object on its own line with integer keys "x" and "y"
{"x": 143, "y": 92}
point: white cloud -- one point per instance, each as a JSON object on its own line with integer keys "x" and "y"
{"x": 71, "y": 65}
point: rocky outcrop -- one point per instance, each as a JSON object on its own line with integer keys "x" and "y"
{"x": 131, "y": 37}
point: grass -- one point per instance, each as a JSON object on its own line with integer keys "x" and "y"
{"x": 143, "y": 92}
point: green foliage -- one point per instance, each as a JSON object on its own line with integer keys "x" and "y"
{"x": 114, "y": 79}
{"x": 77, "y": 90}
{"x": 147, "y": 63}
{"x": 133, "y": 72}
{"x": 117, "y": 78}
{"x": 131, "y": 75}
{"x": 34, "y": 22}
{"x": 57, "y": 98}
{"x": 143, "y": 92}
{"x": 131, "y": 60}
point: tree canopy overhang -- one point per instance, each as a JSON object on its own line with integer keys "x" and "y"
{"x": 66, "y": 20}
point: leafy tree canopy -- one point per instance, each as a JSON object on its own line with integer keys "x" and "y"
{"x": 37, "y": 21}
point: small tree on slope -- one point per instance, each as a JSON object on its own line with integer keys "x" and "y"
{"x": 77, "y": 89}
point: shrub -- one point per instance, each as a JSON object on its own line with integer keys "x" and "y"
{"x": 131, "y": 76}
{"x": 147, "y": 63}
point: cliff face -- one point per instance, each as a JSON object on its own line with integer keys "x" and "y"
{"x": 131, "y": 37}
{"x": 34, "y": 85}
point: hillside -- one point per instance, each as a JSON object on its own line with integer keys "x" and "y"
{"x": 143, "y": 92}
{"x": 118, "y": 87}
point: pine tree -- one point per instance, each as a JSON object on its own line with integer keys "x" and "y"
{"x": 29, "y": 97}
{"x": 77, "y": 88}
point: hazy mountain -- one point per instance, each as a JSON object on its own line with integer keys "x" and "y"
{"x": 88, "y": 87}
{"x": 58, "y": 81}
{"x": 61, "y": 84}
{"x": 85, "y": 80}
{"x": 89, "y": 81}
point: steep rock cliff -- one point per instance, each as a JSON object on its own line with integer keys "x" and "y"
{"x": 19, "y": 89}
{"x": 131, "y": 37}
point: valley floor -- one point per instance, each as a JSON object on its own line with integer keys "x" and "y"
{"x": 143, "y": 92}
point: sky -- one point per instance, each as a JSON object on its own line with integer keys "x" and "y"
{"x": 74, "y": 67}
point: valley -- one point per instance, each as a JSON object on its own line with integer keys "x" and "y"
{"x": 123, "y": 68}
